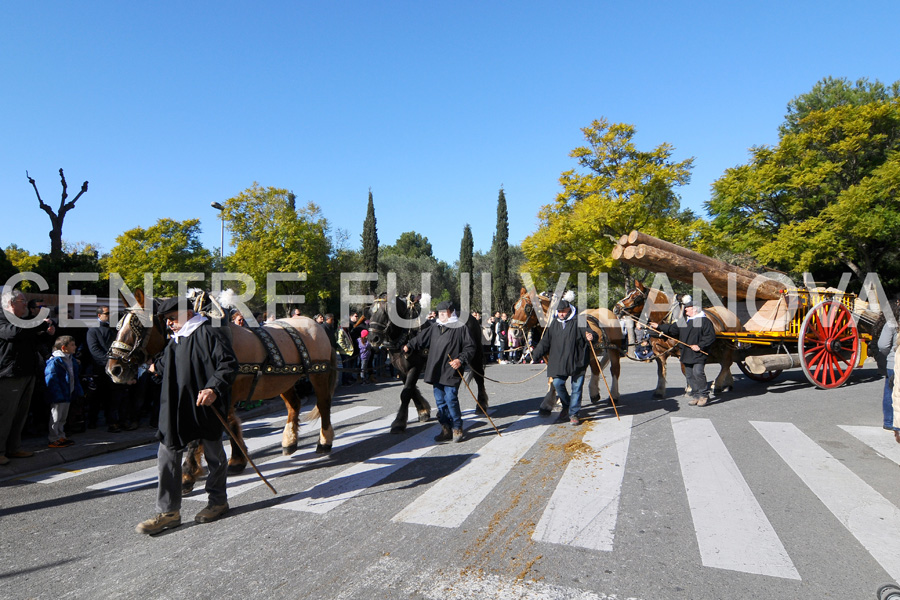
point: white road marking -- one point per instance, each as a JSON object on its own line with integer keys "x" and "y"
{"x": 732, "y": 530}
{"x": 862, "y": 510}
{"x": 585, "y": 504}
{"x": 877, "y": 439}
{"x": 147, "y": 477}
{"x": 453, "y": 498}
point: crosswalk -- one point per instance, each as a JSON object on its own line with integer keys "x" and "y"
{"x": 731, "y": 528}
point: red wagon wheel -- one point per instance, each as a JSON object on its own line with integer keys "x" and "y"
{"x": 828, "y": 344}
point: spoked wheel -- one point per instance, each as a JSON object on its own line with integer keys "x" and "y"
{"x": 828, "y": 344}
{"x": 761, "y": 377}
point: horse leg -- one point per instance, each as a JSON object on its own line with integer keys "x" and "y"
{"x": 725, "y": 381}
{"x": 237, "y": 463}
{"x": 289, "y": 436}
{"x": 594, "y": 385}
{"x": 423, "y": 407}
{"x": 191, "y": 469}
{"x": 323, "y": 404}
{"x": 478, "y": 375}
{"x": 661, "y": 378}
{"x": 549, "y": 400}
{"x": 615, "y": 369}
{"x": 399, "y": 424}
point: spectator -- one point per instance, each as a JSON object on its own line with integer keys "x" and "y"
{"x": 296, "y": 313}
{"x": 238, "y": 319}
{"x": 319, "y": 318}
{"x": 365, "y": 357}
{"x": 887, "y": 347}
{"x": 18, "y": 354}
{"x": 113, "y": 396}
{"x": 566, "y": 346}
{"x": 447, "y": 338}
{"x": 503, "y": 336}
{"x": 63, "y": 385}
{"x": 198, "y": 367}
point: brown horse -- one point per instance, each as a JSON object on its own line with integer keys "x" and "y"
{"x": 661, "y": 311}
{"x": 258, "y": 378}
{"x": 608, "y": 342}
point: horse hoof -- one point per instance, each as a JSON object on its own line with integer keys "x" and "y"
{"x": 595, "y": 399}
{"x": 398, "y": 428}
{"x": 235, "y": 469}
{"x": 544, "y": 412}
{"x": 323, "y": 448}
{"x": 187, "y": 488}
{"x": 658, "y": 396}
{"x": 288, "y": 450}
{"x": 424, "y": 417}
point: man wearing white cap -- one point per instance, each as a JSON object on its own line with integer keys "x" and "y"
{"x": 698, "y": 334}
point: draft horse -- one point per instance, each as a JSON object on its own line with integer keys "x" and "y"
{"x": 294, "y": 348}
{"x": 661, "y": 311}
{"x": 608, "y": 342}
{"x": 384, "y": 333}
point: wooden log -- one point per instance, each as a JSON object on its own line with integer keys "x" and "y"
{"x": 636, "y": 237}
{"x": 617, "y": 252}
{"x": 623, "y": 241}
{"x": 771, "y": 362}
{"x": 683, "y": 269}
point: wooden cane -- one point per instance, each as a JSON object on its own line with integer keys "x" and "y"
{"x": 663, "y": 334}
{"x": 241, "y": 446}
{"x": 476, "y": 399}
{"x": 600, "y": 366}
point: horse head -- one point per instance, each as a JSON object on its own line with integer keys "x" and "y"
{"x": 140, "y": 335}
{"x": 383, "y": 331}
{"x": 641, "y": 296}
{"x": 524, "y": 316}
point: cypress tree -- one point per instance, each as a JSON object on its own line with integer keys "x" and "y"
{"x": 500, "y": 248}
{"x": 370, "y": 242}
{"x": 466, "y": 251}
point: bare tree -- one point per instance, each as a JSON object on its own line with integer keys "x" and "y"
{"x": 56, "y": 218}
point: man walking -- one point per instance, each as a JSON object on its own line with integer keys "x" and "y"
{"x": 18, "y": 362}
{"x": 449, "y": 347}
{"x": 566, "y": 346}
{"x": 198, "y": 367}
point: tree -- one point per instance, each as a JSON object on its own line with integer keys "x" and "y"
{"x": 621, "y": 188}
{"x": 7, "y": 268}
{"x": 272, "y": 235}
{"x": 411, "y": 245}
{"x": 500, "y": 270}
{"x": 370, "y": 242}
{"x": 57, "y": 217}
{"x": 825, "y": 198}
{"x": 466, "y": 248}
{"x": 830, "y": 93}
{"x": 169, "y": 246}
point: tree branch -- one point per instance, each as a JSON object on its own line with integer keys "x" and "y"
{"x": 43, "y": 206}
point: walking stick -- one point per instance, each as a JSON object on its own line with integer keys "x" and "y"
{"x": 476, "y": 400}
{"x": 600, "y": 366}
{"x": 662, "y": 334}
{"x": 241, "y": 446}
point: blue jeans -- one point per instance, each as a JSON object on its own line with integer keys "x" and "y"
{"x": 571, "y": 403}
{"x": 447, "y": 399}
{"x": 887, "y": 405}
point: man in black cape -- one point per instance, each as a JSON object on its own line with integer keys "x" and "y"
{"x": 198, "y": 367}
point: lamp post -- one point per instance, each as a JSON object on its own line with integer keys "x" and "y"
{"x": 220, "y": 208}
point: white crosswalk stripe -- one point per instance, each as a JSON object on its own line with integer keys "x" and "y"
{"x": 861, "y": 509}
{"x": 585, "y": 504}
{"x": 732, "y": 530}
{"x": 877, "y": 439}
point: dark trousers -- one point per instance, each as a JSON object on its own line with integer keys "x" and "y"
{"x": 696, "y": 380}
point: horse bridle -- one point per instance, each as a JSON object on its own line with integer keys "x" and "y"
{"x": 134, "y": 353}
{"x": 620, "y": 306}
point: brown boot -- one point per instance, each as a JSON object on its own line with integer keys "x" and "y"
{"x": 159, "y": 523}
{"x": 445, "y": 435}
{"x": 211, "y": 513}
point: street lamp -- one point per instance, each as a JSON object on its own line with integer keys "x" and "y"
{"x": 220, "y": 208}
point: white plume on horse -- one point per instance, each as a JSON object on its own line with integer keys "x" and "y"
{"x": 425, "y": 301}
{"x": 569, "y": 296}
{"x": 226, "y": 298}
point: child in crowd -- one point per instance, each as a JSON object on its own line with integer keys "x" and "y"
{"x": 63, "y": 385}
{"x": 365, "y": 356}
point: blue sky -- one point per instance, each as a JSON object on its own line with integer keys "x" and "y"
{"x": 165, "y": 107}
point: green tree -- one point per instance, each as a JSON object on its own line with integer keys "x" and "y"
{"x": 466, "y": 248}
{"x": 830, "y": 93}
{"x": 169, "y": 246}
{"x": 22, "y": 259}
{"x": 620, "y": 188}
{"x": 411, "y": 245}
{"x": 272, "y": 235}
{"x": 824, "y": 199}
{"x": 500, "y": 296}
{"x": 370, "y": 241}
{"x": 7, "y": 268}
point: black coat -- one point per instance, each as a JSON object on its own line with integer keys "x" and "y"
{"x": 202, "y": 360}
{"x": 699, "y": 331}
{"x": 566, "y": 348}
{"x": 440, "y": 341}
{"x": 18, "y": 348}
{"x": 99, "y": 341}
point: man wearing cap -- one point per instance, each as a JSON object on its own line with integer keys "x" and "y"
{"x": 198, "y": 367}
{"x": 565, "y": 344}
{"x": 698, "y": 334}
{"x": 449, "y": 346}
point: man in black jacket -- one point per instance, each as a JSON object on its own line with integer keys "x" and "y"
{"x": 18, "y": 362}
{"x": 698, "y": 333}
{"x": 113, "y": 397}
{"x": 565, "y": 345}
{"x": 198, "y": 367}
{"x": 449, "y": 347}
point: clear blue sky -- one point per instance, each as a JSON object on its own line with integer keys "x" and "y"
{"x": 165, "y": 107}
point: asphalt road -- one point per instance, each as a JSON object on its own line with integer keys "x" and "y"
{"x": 773, "y": 491}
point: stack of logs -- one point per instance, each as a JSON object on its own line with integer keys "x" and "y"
{"x": 648, "y": 252}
